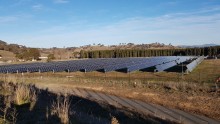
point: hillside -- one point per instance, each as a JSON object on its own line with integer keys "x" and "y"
{"x": 73, "y": 52}
{"x": 126, "y": 46}
{"x": 10, "y": 51}
{"x": 199, "y": 46}
{"x": 24, "y": 53}
{"x": 7, "y": 56}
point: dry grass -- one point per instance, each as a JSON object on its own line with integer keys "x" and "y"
{"x": 114, "y": 120}
{"x": 108, "y": 82}
{"x": 6, "y": 55}
{"x": 9, "y": 113}
{"x": 61, "y": 108}
{"x": 25, "y": 94}
{"x": 207, "y": 72}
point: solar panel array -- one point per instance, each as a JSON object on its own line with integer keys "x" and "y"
{"x": 103, "y": 64}
{"x": 194, "y": 63}
{"x": 174, "y": 62}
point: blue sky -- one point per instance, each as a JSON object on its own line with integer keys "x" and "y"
{"x": 68, "y": 23}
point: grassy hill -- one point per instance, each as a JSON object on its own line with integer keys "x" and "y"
{"x": 7, "y": 56}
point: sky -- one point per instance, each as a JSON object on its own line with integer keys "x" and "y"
{"x": 73, "y": 23}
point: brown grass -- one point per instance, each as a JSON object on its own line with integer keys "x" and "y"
{"x": 114, "y": 120}
{"x": 25, "y": 94}
{"x": 6, "y": 55}
{"x": 9, "y": 114}
{"x": 61, "y": 108}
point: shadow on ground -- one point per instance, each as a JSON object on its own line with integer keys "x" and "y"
{"x": 82, "y": 111}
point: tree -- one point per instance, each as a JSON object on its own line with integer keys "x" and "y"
{"x": 29, "y": 54}
{"x": 118, "y": 53}
{"x": 50, "y": 57}
{"x": 34, "y": 53}
{"x": 82, "y": 55}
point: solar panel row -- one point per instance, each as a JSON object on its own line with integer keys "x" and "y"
{"x": 194, "y": 63}
{"x": 104, "y": 64}
{"x": 174, "y": 62}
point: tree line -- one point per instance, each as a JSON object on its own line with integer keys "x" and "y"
{"x": 120, "y": 53}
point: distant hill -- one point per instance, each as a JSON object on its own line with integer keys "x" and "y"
{"x": 73, "y": 52}
{"x": 125, "y": 46}
{"x": 11, "y": 51}
{"x": 198, "y": 46}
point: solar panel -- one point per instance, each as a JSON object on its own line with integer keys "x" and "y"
{"x": 165, "y": 66}
{"x": 194, "y": 64}
{"x": 106, "y": 64}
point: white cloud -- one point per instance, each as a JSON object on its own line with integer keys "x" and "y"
{"x": 37, "y": 7}
{"x": 13, "y": 19}
{"x": 61, "y": 1}
{"x": 7, "y": 19}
